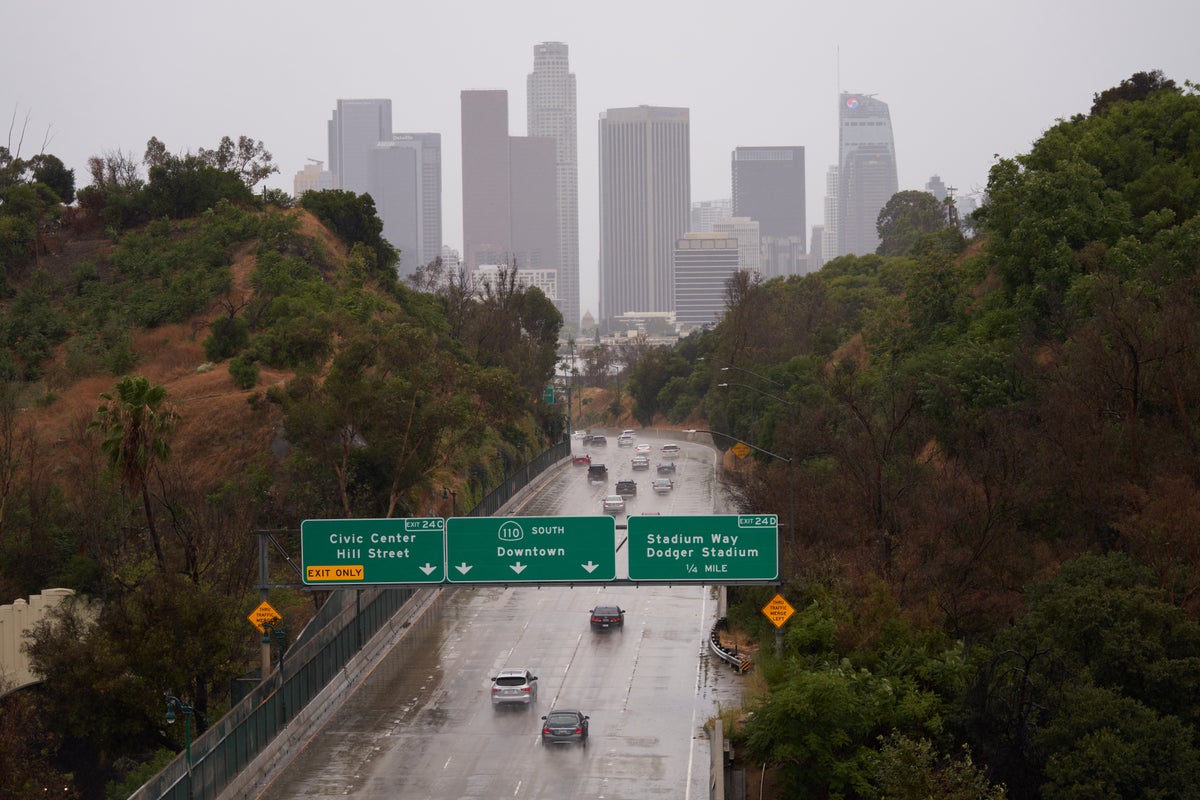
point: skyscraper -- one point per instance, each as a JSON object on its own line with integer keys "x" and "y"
{"x": 405, "y": 181}
{"x": 506, "y": 220}
{"x": 356, "y": 127}
{"x": 706, "y": 212}
{"x": 866, "y": 171}
{"x": 550, "y": 108}
{"x": 487, "y": 213}
{"x": 645, "y": 205}
{"x": 704, "y": 263}
{"x": 768, "y": 186}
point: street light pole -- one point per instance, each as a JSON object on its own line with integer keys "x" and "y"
{"x": 791, "y": 482}
{"x": 791, "y": 476}
{"x": 175, "y": 705}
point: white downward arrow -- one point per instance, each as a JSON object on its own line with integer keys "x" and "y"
{"x": 464, "y": 568}
{"x": 517, "y": 567}
{"x": 589, "y": 566}
{"x": 428, "y": 569}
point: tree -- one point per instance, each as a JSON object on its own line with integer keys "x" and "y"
{"x": 353, "y": 217}
{"x": 51, "y": 171}
{"x": 136, "y": 422}
{"x": 905, "y": 219}
{"x": 249, "y": 160}
{"x": 1137, "y": 87}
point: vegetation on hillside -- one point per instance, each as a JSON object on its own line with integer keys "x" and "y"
{"x": 359, "y": 397}
{"x": 994, "y": 549}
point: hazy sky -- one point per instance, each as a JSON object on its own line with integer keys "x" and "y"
{"x": 965, "y": 81}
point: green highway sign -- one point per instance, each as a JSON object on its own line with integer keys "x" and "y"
{"x": 531, "y": 549}
{"x": 364, "y": 551}
{"x": 729, "y": 547}
{"x": 548, "y": 395}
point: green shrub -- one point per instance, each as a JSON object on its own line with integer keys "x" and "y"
{"x": 244, "y": 370}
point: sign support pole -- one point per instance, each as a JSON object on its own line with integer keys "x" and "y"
{"x": 262, "y": 596}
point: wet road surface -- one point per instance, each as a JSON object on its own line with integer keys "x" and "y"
{"x": 421, "y": 725}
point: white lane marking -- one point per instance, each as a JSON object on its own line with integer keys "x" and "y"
{"x": 687, "y": 793}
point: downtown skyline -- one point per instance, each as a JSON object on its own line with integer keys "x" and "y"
{"x": 960, "y": 90}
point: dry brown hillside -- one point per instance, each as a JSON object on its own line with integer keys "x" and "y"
{"x": 219, "y": 430}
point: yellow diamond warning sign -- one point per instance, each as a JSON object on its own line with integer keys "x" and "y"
{"x": 778, "y": 610}
{"x": 741, "y": 449}
{"x": 264, "y": 615}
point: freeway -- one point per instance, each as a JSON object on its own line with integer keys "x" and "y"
{"x": 421, "y": 725}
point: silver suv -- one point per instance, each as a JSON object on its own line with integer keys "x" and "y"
{"x": 514, "y": 685}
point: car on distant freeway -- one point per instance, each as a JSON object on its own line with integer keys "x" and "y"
{"x": 605, "y": 617}
{"x": 598, "y": 440}
{"x": 565, "y": 727}
{"x": 641, "y": 447}
{"x": 614, "y": 504}
{"x": 662, "y": 485}
{"x": 515, "y": 685}
{"x": 666, "y": 467}
{"x": 581, "y": 458}
{"x": 670, "y": 451}
{"x": 626, "y": 488}
{"x": 625, "y": 440}
{"x": 641, "y": 462}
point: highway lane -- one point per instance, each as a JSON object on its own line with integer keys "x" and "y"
{"x": 422, "y": 725}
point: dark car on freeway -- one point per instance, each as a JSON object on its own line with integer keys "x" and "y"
{"x": 565, "y": 727}
{"x": 605, "y": 617}
{"x": 666, "y": 467}
{"x": 627, "y": 488}
{"x": 596, "y": 472}
{"x": 598, "y": 441}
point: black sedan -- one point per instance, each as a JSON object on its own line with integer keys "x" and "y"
{"x": 604, "y": 617}
{"x": 565, "y": 727}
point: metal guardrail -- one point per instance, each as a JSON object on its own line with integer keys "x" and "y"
{"x": 739, "y": 662}
{"x": 344, "y": 625}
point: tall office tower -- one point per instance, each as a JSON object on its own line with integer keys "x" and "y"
{"x": 533, "y": 197}
{"x": 550, "y": 107}
{"x": 747, "y": 232}
{"x": 866, "y": 171}
{"x": 645, "y": 203}
{"x": 829, "y": 236}
{"x": 506, "y": 220}
{"x": 704, "y": 263}
{"x": 487, "y": 210}
{"x": 356, "y": 127}
{"x": 706, "y": 212}
{"x": 405, "y": 181}
{"x": 768, "y": 185}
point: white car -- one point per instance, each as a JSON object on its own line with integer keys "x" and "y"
{"x": 614, "y": 504}
{"x": 641, "y": 447}
{"x": 670, "y": 451}
{"x": 624, "y": 440}
{"x": 514, "y": 685}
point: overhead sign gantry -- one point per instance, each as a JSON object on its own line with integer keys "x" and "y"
{"x": 731, "y": 548}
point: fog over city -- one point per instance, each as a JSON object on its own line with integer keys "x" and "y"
{"x": 964, "y": 82}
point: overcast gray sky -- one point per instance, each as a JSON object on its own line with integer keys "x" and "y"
{"x": 965, "y": 81}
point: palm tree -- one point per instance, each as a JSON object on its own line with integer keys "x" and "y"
{"x": 136, "y": 424}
